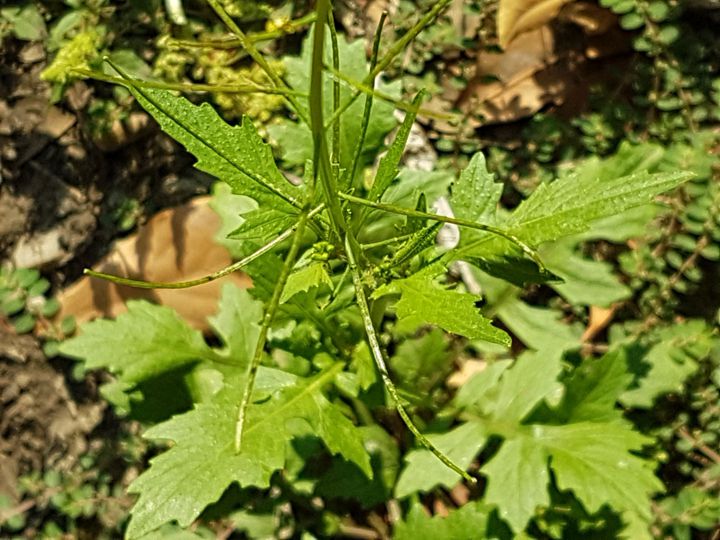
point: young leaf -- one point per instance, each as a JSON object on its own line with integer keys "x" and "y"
{"x": 475, "y": 195}
{"x": 262, "y": 225}
{"x": 390, "y": 162}
{"x": 144, "y": 342}
{"x": 306, "y": 278}
{"x": 665, "y": 367}
{"x": 422, "y": 302}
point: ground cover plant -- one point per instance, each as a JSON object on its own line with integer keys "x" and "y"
{"x": 322, "y": 394}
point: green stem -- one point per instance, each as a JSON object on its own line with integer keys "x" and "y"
{"x": 322, "y": 169}
{"x": 369, "y": 90}
{"x": 368, "y": 105}
{"x": 394, "y": 50}
{"x": 379, "y": 358}
{"x": 140, "y": 284}
{"x": 188, "y": 87}
{"x": 386, "y": 242}
{"x": 352, "y": 247}
{"x": 288, "y": 28}
{"x": 529, "y": 251}
{"x": 268, "y": 319}
{"x": 335, "y": 156}
{"x": 401, "y": 44}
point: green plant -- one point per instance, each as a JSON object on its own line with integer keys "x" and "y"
{"x": 24, "y": 303}
{"x": 67, "y": 501}
{"x": 23, "y": 21}
{"x": 295, "y": 391}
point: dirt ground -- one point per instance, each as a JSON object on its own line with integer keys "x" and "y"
{"x": 60, "y": 191}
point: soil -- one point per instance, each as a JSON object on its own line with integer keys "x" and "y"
{"x": 60, "y": 191}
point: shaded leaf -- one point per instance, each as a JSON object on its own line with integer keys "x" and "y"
{"x": 539, "y": 328}
{"x": 518, "y": 481}
{"x": 665, "y": 367}
{"x": 424, "y": 471}
{"x": 594, "y": 461}
{"x": 594, "y": 388}
{"x": 584, "y": 281}
{"x": 421, "y": 363}
{"x": 469, "y": 522}
{"x": 345, "y": 481}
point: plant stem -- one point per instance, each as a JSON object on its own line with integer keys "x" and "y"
{"x": 529, "y": 251}
{"x": 386, "y": 242}
{"x": 352, "y": 247}
{"x": 268, "y": 319}
{"x": 369, "y": 90}
{"x": 288, "y": 28}
{"x": 335, "y": 155}
{"x": 189, "y": 87}
{"x": 368, "y": 105}
{"x": 395, "y": 49}
{"x": 140, "y": 284}
{"x": 377, "y": 353}
{"x": 321, "y": 160}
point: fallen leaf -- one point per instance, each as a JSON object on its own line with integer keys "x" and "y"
{"x": 467, "y": 370}
{"x": 518, "y": 82}
{"x": 591, "y": 18}
{"x": 599, "y": 318}
{"x": 516, "y": 17}
{"x": 536, "y": 70}
{"x": 175, "y": 245}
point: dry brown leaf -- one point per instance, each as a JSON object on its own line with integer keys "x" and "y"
{"x": 175, "y": 245}
{"x": 516, "y": 17}
{"x": 467, "y": 370}
{"x": 528, "y": 75}
{"x": 591, "y": 18}
{"x": 600, "y": 317}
